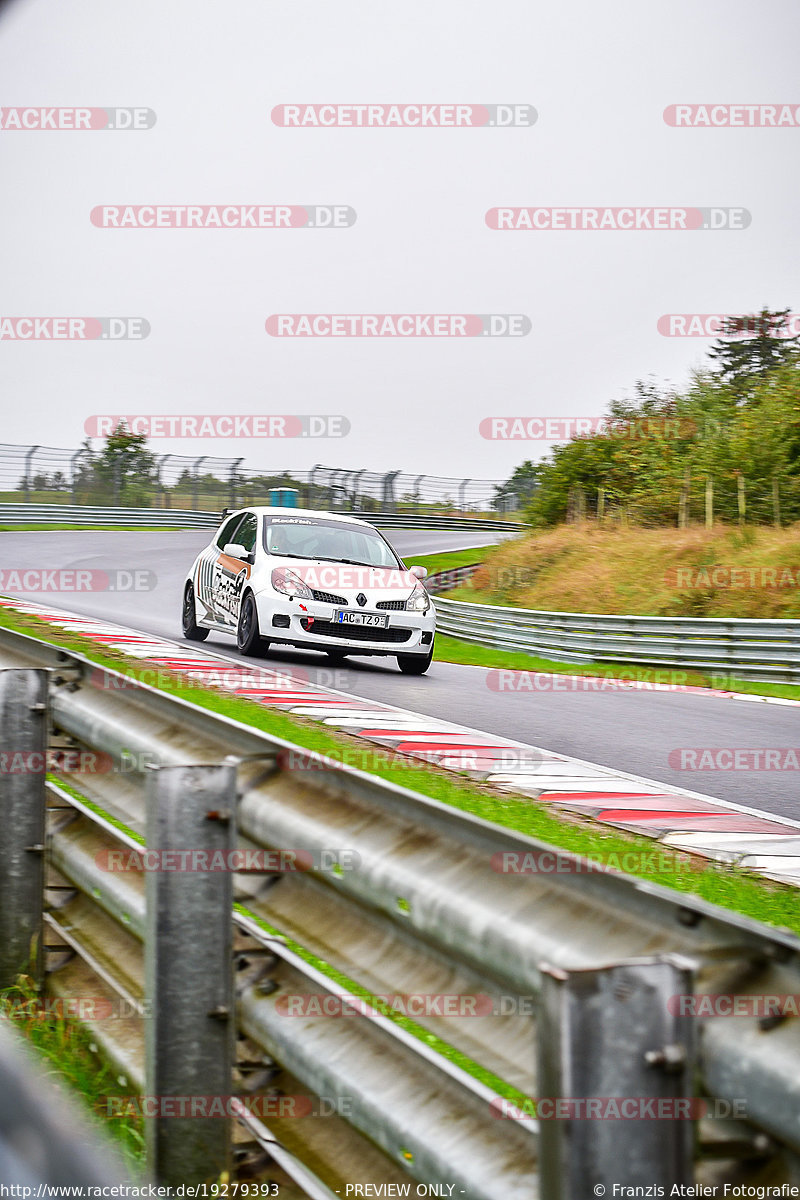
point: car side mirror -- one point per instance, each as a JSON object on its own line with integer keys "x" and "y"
{"x": 418, "y": 572}
{"x": 236, "y": 551}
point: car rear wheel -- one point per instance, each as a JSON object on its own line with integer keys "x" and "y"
{"x": 248, "y": 638}
{"x": 414, "y": 664}
{"x": 191, "y": 630}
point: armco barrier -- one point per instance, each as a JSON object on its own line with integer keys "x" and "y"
{"x": 76, "y": 514}
{"x": 763, "y": 650}
{"x": 84, "y": 514}
{"x": 401, "y": 896}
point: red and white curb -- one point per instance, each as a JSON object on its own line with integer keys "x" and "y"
{"x": 679, "y": 819}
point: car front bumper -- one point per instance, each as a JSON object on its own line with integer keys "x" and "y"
{"x": 312, "y": 627}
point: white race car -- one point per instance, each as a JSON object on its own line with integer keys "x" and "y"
{"x": 313, "y": 580}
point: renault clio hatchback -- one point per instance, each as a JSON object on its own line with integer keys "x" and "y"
{"x": 313, "y": 580}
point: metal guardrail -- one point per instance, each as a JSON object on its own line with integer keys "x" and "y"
{"x": 78, "y": 514}
{"x": 763, "y": 650}
{"x": 86, "y": 514}
{"x": 412, "y": 520}
{"x": 403, "y": 897}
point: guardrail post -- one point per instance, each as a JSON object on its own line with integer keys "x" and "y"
{"x": 610, "y": 1033}
{"x": 27, "y": 478}
{"x": 23, "y": 762}
{"x": 189, "y": 1042}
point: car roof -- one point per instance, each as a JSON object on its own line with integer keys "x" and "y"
{"x": 317, "y": 514}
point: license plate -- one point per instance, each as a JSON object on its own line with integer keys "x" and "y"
{"x": 377, "y": 620}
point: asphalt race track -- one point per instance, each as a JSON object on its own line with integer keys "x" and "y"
{"x": 634, "y": 731}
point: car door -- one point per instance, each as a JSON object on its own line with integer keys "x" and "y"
{"x": 207, "y": 571}
{"x": 231, "y": 574}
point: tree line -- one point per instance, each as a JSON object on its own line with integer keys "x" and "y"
{"x": 726, "y": 447}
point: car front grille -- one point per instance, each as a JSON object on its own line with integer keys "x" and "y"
{"x": 354, "y": 633}
{"x": 330, "y": 598}
{"x": 394, "y": 605}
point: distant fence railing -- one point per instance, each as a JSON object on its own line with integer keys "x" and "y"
{"x": 52, "y": 475}
{"x": 763, "y": 650}
{"x": 172, "y": 518}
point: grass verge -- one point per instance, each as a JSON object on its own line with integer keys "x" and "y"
{"x": 449, "y": 560}
{"x": 66, "y": 1051}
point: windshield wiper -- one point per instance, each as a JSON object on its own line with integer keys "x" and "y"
{"x": 353, "y": 562}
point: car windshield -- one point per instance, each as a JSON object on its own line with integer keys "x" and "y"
{"x": 297, "y": 538}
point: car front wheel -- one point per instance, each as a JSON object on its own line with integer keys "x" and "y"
{"x": 191, "y": 630}
{"x": 414, "y": 664}
{"x": 248, "y": 638}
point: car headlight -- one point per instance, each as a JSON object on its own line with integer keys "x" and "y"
{"x": 285, "y": 580}
{"x": 419, "y": 600}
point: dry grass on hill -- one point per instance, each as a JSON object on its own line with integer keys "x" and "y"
{"x": 725, "y": 571}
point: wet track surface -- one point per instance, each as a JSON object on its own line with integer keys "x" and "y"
{"x": 635, "y": 731}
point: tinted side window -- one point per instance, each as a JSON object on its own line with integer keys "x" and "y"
{"x": 246, "y": 533}
{"x": 226, "y": 533}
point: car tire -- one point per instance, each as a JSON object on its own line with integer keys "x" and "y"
{"x": 191, "y": 630}
{"x": 248, "y": 638}
{"x": 414, "y": 664}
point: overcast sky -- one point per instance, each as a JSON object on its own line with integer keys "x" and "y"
{"x": 599, "y": 76}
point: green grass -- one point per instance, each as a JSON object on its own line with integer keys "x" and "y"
{"x": 728, "y": 886}
{"x": 66, "y": 1050}
{"x": 450, "y": 559}
{"x": 469, "y": 654}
